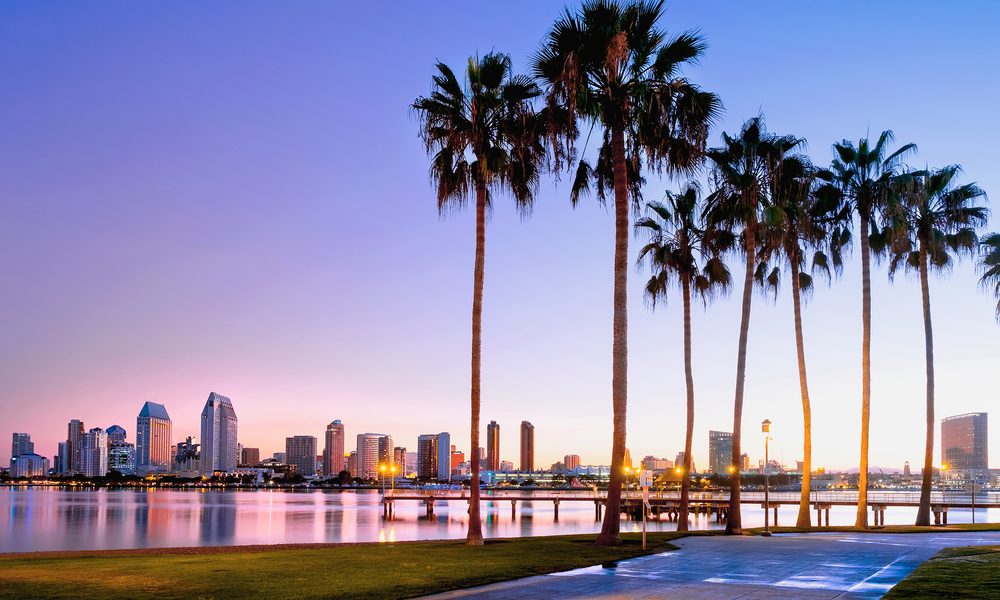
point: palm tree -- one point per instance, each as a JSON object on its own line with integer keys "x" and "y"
{"x": 806, "y": 214}
{"x": 483, "y": 135}
{"x": 742, "y": 170}
{"x": 929, "y": 220}
{"x": 865, "y": 174}
{"x": 682, "y": 247}
{"x": 990, "y": 265}
{"x": 608, "y": 64}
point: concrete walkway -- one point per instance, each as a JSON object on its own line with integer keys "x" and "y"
{"x": 792, "y": 566}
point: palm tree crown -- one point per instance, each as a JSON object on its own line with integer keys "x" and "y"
{"x": 990, "y": 265}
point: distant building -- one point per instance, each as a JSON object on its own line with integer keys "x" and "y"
{"x": 745, "y": 462}
{"x": 399, "y": 459}
{"x": 333, "y": 450}
{"x": 571, "y": 461}
{"x": 906, "y": 469}
{"x": 506, "y": 466}
{"x": 527, "y": 447}
{"x": 720, "y": 451}
{"x": 965, "y": 446}
{"x": 457, "y": 458}
{"x": 300, "y": 451}
{"x": 352, "y": 463}
{"x": 385, "y": 455}
{"x": 250, "y": 457}
{"x": 218, "y": 436}
{"x": 427, "y": 456}
{"x": 372, "y": 449}
{"x": 492, "y": 446}
{"x": 444, "y": 456}
{"x": 679, "y": 462}
{"x": 187, "y": 458}
{"x": 116, "y": 434}
{"x": 411, "y": 464}
{"x": 73, "y": 439}
{"x": 21, "y": 444}
{"x": 153, "y": 432}
{"x": 656, "y": 465}
{"x": 29, "y": 464}
{"x": 121, "y": 457}
{"x": 94, "y": 453}
{"x": 281, "y": 457}
{"x": 62, "y": 465}
{"x": 627, "y": 462}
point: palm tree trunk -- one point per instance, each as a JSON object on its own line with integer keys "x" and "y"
{"x": 734, "y": 522}
{"x": 475, "y": 535}
{"x": 682, "y": 518}
{"x": 610, "y": 535}
{"x": 861, "y": 520}
{"x": 803, "y": 519}
{"x": 924, "y": 510}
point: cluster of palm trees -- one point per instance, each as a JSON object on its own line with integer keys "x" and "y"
{"x": 606, "y": 68}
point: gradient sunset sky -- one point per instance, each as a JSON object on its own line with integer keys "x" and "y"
{"x": 232, "y": 197}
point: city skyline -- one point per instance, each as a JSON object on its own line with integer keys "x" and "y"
{"x": 93, "y": 328}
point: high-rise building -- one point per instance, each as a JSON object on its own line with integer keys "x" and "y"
{"x": 444, "y": 456}
{"x": 218, "y": 436}
{"x": 94, "y": 453}
{"x": 372, "y": 449}
{"x": 73, "y": 440}
{"x": 21, "y": 444}
{"x": 333, "y": 451}
{"x": 352, "y": 463}
{"x": 153, "y": 432}
{"x": 250, "y": 457}
{"x": 116, "y": 434}
{"x": 492, "y": 446}
{"x": 385, "y": 456}
{"x": 62, "y": 465}
{"x": 457, "y": 458}
{"x": 527, "y": 447}
{"x": 720, "y": 451}
{"x": 121, "y": 457}
{"x": 300, "y": 450}
{"x": 965, "y": 446}
{"x": 571, "y": 461}
{"x": 627, "y": 461}
{"x": 427, "y": 456}
{"x": 679, "y": 462}
{"x": 29, "y": 465}
{"x": 399, "y": 459}
{"x": 745, "y": 463}
{"x": 506, "y": 466}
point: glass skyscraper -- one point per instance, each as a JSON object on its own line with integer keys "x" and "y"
{"x": 965, "y": 445}
{"x": 720, "y": 451}
{"x": 219, "y": 450}
{"x": 333, "y": 451}
{"x": 153, "y": 430}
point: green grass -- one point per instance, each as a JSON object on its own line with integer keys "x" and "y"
{"x": 344, "y": 571}
{"x": 969, "y": 572}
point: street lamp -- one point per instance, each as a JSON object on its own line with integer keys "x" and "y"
{"x": 765, "y": 428}
{"x": 381, "y": 470}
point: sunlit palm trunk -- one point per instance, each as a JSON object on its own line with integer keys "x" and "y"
{"x": 803, "y": 518}
{"x": 734, "y": 522}
{"x": 610, "y": 534}
{"x": 924, "y": 510}
{"x": 866, "y": 381}
{"x": 682, "y": 519}
{"x": 475, "y": 535}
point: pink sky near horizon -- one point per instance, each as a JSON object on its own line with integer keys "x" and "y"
{"x": 232, "y": 198}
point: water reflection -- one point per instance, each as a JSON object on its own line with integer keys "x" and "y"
{"x": 33, "y": 519}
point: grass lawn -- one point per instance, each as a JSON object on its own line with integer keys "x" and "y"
{"x": 969, "y": 572}
{"x": 334, "y": 571}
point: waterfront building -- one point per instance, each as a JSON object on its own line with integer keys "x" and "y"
{"x": 29, "y": 464}
{"x": 333, "y": 450}
{"x": 352, "y": 463}
{"x": 745, "y": 463}
{"x": 121, "y": 457}
{"x": 527, "y": 447}
{"x": 385, "y": 455}
{"x": 627, "y": 462}
{"x": 218, "y": 436}
{"x": 187, "y": 458}
{"x": 444, "y": 456}
{"x": 656, "y": 465}
{"x": 571, "y": 461}
{"x": 679, "y": 462}
{"x": 492, "y": 446}
{"x": 906, "y": 469}
{"x": 281, "y": 457}
{"x": 411, "y": 464}
{"x": 373, "y": 448}
{"x": 116, "y": 434}
{"x": 720, "y": 451}
{"x": 506, "y": 466}
{"x": 457, "y": 458}
{"x": 965, "y": 446}
{"x": 427, "y": 456}
{"x": 250, "y": 457}
{"x": 300, "y": 451}
{"x": 94, "y": 453}
{"x": 153, "y": 432}
{"x": 399, "y": 459}
{"x": 62, "y": 465}
{"x": 73, "y": 440}
{"x": 21, "y": 444}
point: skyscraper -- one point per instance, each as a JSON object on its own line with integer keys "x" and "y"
{"x": 218, "y": 436}
{"x": 527, "y": 447}
{"x": 399, "y": 459}
{"x": 116, "y": 434}
{"x": 153, "y": 431}
{"x": 371, "y": 450}
{"x": 300, "y": 450}
{"x": 493, "y": 446}
{"x": 121, "y": 453}
{"x": 444, "y": 456}
{"x": 21, "y": 444}
{"x": 73, "y": 439}
{"x": 250, "y": 457}
{"x": 720, "y": 451}
{"x": 94, "y": 453}
{"x": 385, "y": 456}
{"x": 965, "y": 445}
{"x": 572, "y": 461}
{"x": 333, "y": 451}
{"x": 29, "y": 465}
{"x": 427, "y": 456}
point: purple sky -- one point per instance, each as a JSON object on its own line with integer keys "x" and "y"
{"x": 232, "y": 197}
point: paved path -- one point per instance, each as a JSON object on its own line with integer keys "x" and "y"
{"x": 793, "y": 566}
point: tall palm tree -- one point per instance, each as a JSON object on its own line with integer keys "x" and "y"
{"x": 741, "y": 171}
{"x": 865, "y": 174}
{"x": 806, "y": 215}
{"x": 989, "y": 265}
{"x": 608, "y": 64}
{"x": 684, "y": 249}
{"x": 483, "y": 136}
{"x": 930, "y": 221}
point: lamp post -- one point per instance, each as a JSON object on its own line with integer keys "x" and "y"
{"x": 381, "y": 470}
{"x": 765, "y": 428}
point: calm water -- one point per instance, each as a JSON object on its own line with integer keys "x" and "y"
{"x": 36, "y": 518}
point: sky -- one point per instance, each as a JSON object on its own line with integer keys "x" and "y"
{"x": 232, "y": 197}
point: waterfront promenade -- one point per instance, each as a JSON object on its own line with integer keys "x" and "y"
{"x": 815, "y": 566}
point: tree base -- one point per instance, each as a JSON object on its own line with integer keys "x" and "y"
{"x": 608, "y": 540}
